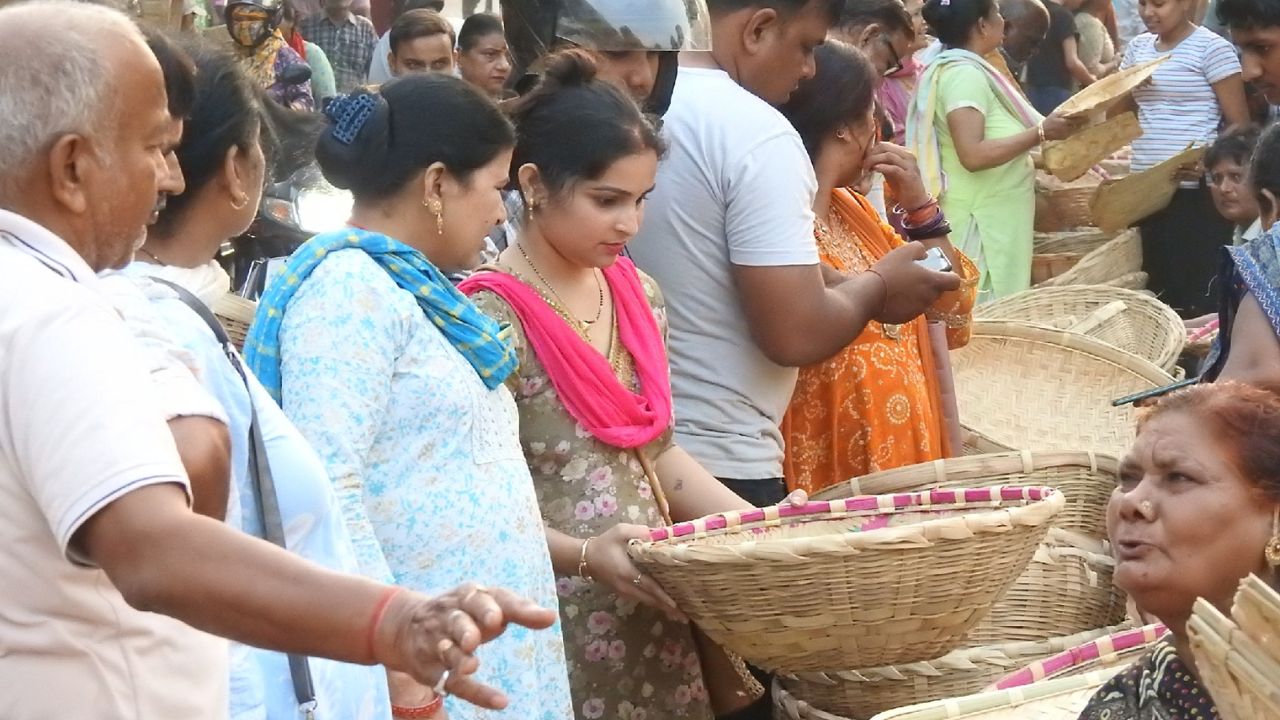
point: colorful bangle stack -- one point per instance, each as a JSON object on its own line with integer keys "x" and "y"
{"x": 422, "y": 711}
{"x": 925, "y": 222}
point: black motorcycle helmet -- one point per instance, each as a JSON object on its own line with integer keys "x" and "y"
{"x": 535, "y": 28}
{"x": 254, "y": 32}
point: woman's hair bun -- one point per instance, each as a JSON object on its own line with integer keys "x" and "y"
{"x": 357, "y": 133}
{"x": 569, "y": 68}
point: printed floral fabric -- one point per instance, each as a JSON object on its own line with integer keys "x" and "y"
{"x": 1159, "y": 687}
{"x": 875, "y": 405}
{"x": 426, "y": 462}
{"x": 626, "y": 661}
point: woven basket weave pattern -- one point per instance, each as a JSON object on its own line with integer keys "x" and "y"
{"x": 807, "y": 594}
{"x": 1117, "y": 258}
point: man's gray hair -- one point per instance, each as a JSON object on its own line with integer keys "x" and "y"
{"x": 55, "y": 77}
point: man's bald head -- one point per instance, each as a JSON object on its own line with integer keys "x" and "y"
{"x": 1026, "y": 24}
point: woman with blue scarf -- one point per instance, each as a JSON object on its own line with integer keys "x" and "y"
{"x": 1248, "y": 346}
{"x": 972, "y": 131}
{"x": 397, "y": 379}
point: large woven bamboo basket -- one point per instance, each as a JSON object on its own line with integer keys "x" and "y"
{"x": 1064, "y": 206}
{"x": 1065, "y": 589}
{"x": 1119, "y": 649}
{"x": 1085, "y": 478}
{"x": 1062, "y": 699}
{"x": 1130, "y": 281}
{"x": 1080, "y": 242}
{"x": 236, "y": 315}
{"x": 1026, "y": 386}
{"x": 859, "y": 582}
{"x": 1114, "y": 259}
{"x": 1120, "y": 203}
{"x": 1242, "y": 678}
{"x": 863, "y": 693}
{"x": 789, "y": 707}
{"x": 1130, "y": 320}
{"x": 1110, "y": 90}
{"x": 1073, "y": 157}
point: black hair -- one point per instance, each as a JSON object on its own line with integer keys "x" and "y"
{"x": 289, "y": 137}
{"x": 891, "y": 15}
{"x": 1236, "y": 146}
{"x": 179, "y": 72}
{"x": 226, "y": 113}
{"x": 478, "y": 26}
{"x": 419, "y": 23}
{"x": 951, "y": 21}
{"x": 841, "y": 91}
{"x": 1264, "y": 173}
{"x": 574, "y": 127}
{"x": 1248, "y": 14}
{"x": 288, "y": 13}
{"x": 784, "y": 7}
{"x": 400, "y": 7}
{"x": 417, "y": 120}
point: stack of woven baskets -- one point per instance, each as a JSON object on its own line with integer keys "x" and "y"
{"x": 1238, "y": 657}
{"x": 1064, "y": 598}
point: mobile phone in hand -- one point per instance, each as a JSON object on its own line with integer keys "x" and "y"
{"x": 935, "y": 260}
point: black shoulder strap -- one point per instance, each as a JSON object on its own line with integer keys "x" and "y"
{"x": 264, "y": 487}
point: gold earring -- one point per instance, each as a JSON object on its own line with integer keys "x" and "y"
{"x": 437, "y": 208}
{"x": 239, "y": 203}
{"x": 1273, "y": 548}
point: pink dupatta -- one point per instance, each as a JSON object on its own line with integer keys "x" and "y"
{"x": 583, "y": 378}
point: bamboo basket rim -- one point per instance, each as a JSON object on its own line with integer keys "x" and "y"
{"x": 1003, "y": 655}
{"x": 1112, "y": 644}
{"x": 982, "y": 510}
{"x": 1105, "y": 257}
{"x": 1109, "y": 90}
{"x": 1078, "y": 342}
{"x": 790, "y": 707}
{"x": 974, "y": 707}
{"x": 968, "y": 467}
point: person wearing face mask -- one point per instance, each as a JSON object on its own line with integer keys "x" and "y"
{"x": 253, "y": 25}
{"x": 878, "y": 404}
{"x": 972, "y": 131}
{"x": 397, "y": 379}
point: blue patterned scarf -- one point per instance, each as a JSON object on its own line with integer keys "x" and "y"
{"x": 1249, "y": 269}
{"x": 480, "y": 339}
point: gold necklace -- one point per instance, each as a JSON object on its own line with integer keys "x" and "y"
{"x": 560, "y": 300}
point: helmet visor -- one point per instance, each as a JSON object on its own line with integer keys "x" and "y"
{"x": 628, "y": 25}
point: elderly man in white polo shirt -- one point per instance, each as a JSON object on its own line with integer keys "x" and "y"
{"x": 94, "y": 500}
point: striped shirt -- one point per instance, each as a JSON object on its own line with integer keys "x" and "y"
{"x": 1179, "y": 106}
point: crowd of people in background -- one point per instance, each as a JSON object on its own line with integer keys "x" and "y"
{"x": 605, "y": 269}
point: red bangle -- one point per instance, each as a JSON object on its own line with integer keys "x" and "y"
{"x": 379, "y": 610}
{"x": 423, "y": 711}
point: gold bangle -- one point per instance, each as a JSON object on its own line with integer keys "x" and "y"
{"x": 1040, "y": 132}
{"x": 582, "y": 561}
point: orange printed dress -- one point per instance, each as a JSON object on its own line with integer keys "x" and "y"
{"x": 875, "y": 405}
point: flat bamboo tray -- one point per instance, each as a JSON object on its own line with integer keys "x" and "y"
{"x": 1085, "y": 478}
{"x": 1116, "y": 258}
{"x": 1130, "y": 320}
{"x": 1052, "y": 700}
{"x": 1073, "y": 157}
{"x": 859, "y": 582}
{"x": 863, "y": 693}
{"x": 1025, "y": 386}
{"x": 1108, "y": 91}
{"x": 1242, "y": 679}
{"x": 1119, "y": 649}
{"x": 1066, "y": 589}
{"x": 236, "y": 315}
{"x": 1119, "y": 204}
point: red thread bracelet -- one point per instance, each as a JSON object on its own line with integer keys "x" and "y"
{"x": 422, "y": 711}
{"x": 379, "y": 610}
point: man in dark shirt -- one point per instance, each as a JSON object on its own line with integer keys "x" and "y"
{"x": 1054, "y": 72}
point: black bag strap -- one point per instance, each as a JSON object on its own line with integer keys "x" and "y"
{"x": 264, "y": 488}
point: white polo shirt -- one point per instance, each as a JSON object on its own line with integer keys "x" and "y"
{"x": 81, "y": 425}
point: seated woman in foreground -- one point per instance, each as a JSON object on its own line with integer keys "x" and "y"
{"x": 1196, "y": 510}
{"x": 877, "y": 404}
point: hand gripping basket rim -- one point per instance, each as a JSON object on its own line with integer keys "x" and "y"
{"x": 1116, "y": 643}
{"x": 666, "y": 544}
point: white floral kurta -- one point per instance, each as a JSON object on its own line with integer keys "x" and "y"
{"x": 626, "y": 661}
{"x": 426, "y": 461}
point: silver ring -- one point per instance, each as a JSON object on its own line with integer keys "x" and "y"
{"x": 439, "y": 688}
{"x": 639, "y": 579}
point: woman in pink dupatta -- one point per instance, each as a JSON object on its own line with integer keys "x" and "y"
{"x": 594, "y": 395}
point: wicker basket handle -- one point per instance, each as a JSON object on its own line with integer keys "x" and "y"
{"x": 1099, "y": 317}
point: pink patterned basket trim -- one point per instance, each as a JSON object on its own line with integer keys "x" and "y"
{"x": 1088, "y": 652}
{"x": 885, "y": 504}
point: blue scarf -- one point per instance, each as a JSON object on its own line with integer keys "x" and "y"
{"x": 1249, "y": 269}
{"x": 480, "y": 339}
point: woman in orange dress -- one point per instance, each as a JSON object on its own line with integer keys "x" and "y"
{"x": 878, "y": 403}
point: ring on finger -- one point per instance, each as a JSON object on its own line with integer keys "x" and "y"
{"x": 444, "y": 647}
{"x": 639, "y": 579}
{"x": 439, "y": 688}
